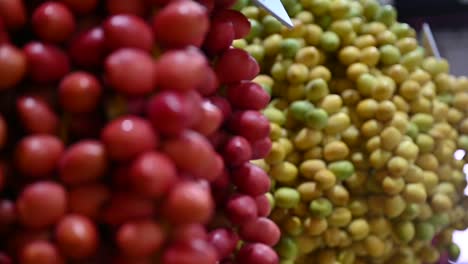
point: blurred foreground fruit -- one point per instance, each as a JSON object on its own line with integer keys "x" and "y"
{"x": 118, "y": 143}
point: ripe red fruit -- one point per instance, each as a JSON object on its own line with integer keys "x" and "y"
{"x": 83, "y": 162}
{"x": 88, "y": 200}
{"x": 88, "y": 48}
{"x": 223, "y": 104}
{"x": 193, "y": 154}
{"x": 181, "y": 24}
{"x": 13, "y": 65}
{"x": 263, "y": 205}
{"x": 261, "y": 148}
{"x": 237, "y": 151}
{"x": 53, "y": 22}
{"x": 171, "y": 112}
{"x": 252, "y": 125}
{"x": 250, "y": 179}
{"x": 127, "y": 137}
{"x": 37, "y": 252}
{"x": 181, "y": 70}
{"x": 189, "y": 202}
{"x": 211, "y": 119}
{"x": 127, "y": 31}
{"x": 140, "y": 238}
{"x": 46, "y": 63}
{"x": 241, "y": 24}
{"x": 235, "y": 65}
{"x": 224, "y": 240}
{"x": 79, "y": 92}
{"x": 257, "y": 253}
{"x": 36, "y": 116}
{"x": 37, "y": 155}
{"x": 189, "y": 232}
{"x": 262, "y": 230}
{"x": 196, "y": 252}
{"x": 13, "y": 13}
{"x": 76, "y": 236}
{"x": 130, "y": 71}
{"x": 8, "y": 214}
{"x": 219, "y": 37}
{"x": 248, "y": 96}
{"x": 41, "y": 204}
{"x": 153, "y": 174}
{"x": 241, "y": 209}
{"x": 133, "y": 7}
{"x": 210, "y": 84}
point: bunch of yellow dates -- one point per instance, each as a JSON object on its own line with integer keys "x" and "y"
{"x": 369, "y": 135}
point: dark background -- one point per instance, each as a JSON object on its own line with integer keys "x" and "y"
{"x": 448, "y": 20}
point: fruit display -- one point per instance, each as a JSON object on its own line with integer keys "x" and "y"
{"x": 126, "y": 131}
{"x": 369, "y": 135}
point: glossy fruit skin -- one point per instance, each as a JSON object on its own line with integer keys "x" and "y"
{"x": 77, "y": 236}
{"x": 248, "y": 96}
{"x": 13, "y": 13}
{"x": 241, "y": 209}
{"x": 79, "y": 92}
{"x": 189, "y": 203}
{"x": 37, "y": 155}
{"x": 171, "y": 112}
{"x": 188, "y": 18}
{"x": 87, "y": 49}
{"x": 8, "y": 214}
{"x": 251, "y": 179}
{"x": 130, "y": 71}
{"x": 261, "y": 230}
{"x": 36, "y": 116}
{"x": 183, "y": 148}
{"x": 237, "y": 151}
{"x": 128, "y": 136}
{"x": 211, "y": 119}
{"x": 53, "y": 22}
{"x": 181, "y": 70}
{"x": 40, "y": 252}
{"x": 153, "y": 174}
{"x": 219, "y": 38}
{"x": 83, "y": 162}
{"x": 197, "y": 251}
{"x": 13, "y": 66}
{"x": 140, "y": 238}
{"x": 224, "y": 240}
{"x": 46, "y": 62}
{"x": 241, "y": 24}
{"x": 257, "y": 253}
{"x": 41, "y": 204}
{"x": 250, "y": 124}
{"x": 235, "y": 65}
{"x": 127, "y": 31}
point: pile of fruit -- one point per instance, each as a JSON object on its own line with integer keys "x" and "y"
{"x": 117, "y": 146}
{"x": 364, "y": 128}
{"x": 205, "y": 132}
